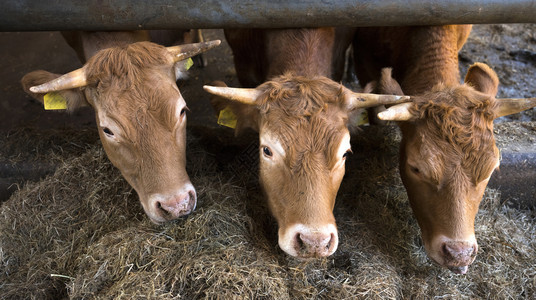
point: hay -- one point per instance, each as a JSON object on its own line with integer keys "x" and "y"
{"x": 52, "y": 145}
{"x": 26, "y": 155}
{"x": 45, "y": 225}
{"x": 85, "y": 224}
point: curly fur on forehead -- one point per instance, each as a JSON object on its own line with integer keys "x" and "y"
{"x": 307, "y": 114}
{"x": 128, "y": 84}
{"x": 459, "y": 121}
{"x": 126, "y": 64}
{"x": 312, "y": 146}
{"x": 298, "y": 96}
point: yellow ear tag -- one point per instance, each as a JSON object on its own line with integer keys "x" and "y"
{"x": 54, "y": 101}
{"x": 362, "y": 118}
{"x": 227, "y": 118}
{"x": 189, "y": 63}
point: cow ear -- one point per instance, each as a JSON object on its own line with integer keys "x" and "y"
{"x": 247, "y": 115}
{"x": 387, "y": 84}
{"x": 74, "y": 97}
{"x": 181, "y": 69}
{"x": 483, "y": 79}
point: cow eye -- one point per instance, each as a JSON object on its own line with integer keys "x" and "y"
{"x": 184, "y": 110}
{"x": 107, "y": 131}
{"x": 267, "y": 152}
{"x": 347, "y": 153}
{"x": 415, "y": 170}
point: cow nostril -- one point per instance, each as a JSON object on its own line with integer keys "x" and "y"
{"x": 445, "y": 250}
{"x": 192, "y": 196}
{"x": 160, "y": 208}
{"x": 192, "y": 203}
{"x": 328, "y": 244}
{"x": 474, "y": 250}
{"x": 299, "y": 242}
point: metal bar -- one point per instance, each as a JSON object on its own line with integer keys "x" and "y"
{"x": 35, "y": 15}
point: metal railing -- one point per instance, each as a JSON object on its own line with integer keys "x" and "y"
{"x": 35, "y": 15}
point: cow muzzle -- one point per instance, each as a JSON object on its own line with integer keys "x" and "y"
{"x": 304, "y": 241}
{"x": 166, "y": 207}
{"x": 455, "y": 255}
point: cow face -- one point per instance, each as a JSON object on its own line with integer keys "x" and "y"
{"x": 445, "y": 184}
{"x": 143, "y": 132}
{"x": 141, "y": 118}
{"x": 304, "y": 142}
{"x": 447, "y": 156}
{"x": 302, "y": 162}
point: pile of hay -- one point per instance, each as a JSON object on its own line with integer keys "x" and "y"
{"x": 30, "y": 153}
{"x": 82, "y": 233}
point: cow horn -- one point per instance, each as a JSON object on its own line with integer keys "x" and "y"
{"x": 183, "y": 52}
{"x": 247, "y": 96}
{"x": 508, "y": 106}
{"x": 399, "y": 112}
{"x": 71, "y": 80}
{"x": 364, "y": 100}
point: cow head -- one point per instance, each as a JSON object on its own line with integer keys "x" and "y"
{"x": 447, "y": 156}
{"x": 304, "y": 141}
{"x": 141, "y": 117}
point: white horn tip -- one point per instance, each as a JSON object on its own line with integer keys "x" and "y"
{"x": 208, "y": 88}
{"x": 211, "y": 89}
{"x": 34, "y": 89}
{"x": 384, "y": 115}
{"x": 211, "y": 44}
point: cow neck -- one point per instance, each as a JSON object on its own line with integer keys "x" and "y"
{"x": 93, "y": 42}
{"x": 308, "y": 55}
{"x": 435, "y": 62}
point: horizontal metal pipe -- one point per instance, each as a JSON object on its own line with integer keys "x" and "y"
{"x": 35, "y": 15}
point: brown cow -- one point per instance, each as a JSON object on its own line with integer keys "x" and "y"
{"x": 301, "y": 117}
{"x": 140, "y": 112}
{"x": 448, "y": 151}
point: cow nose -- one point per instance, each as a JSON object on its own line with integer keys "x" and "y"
{"x": 308, "y": 241}
{"x": 314, "y": 244}
{"x": 177, "y": 205}
{"x": 458, "y": 255}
